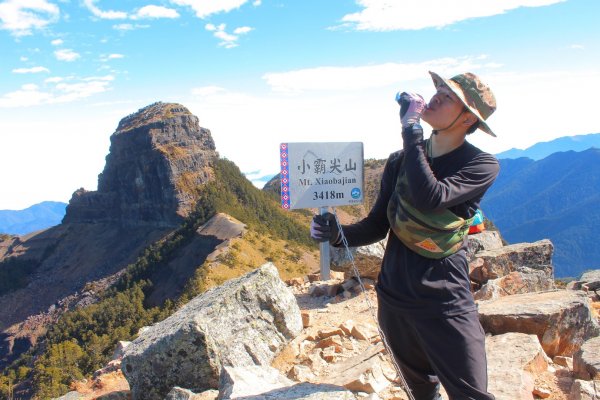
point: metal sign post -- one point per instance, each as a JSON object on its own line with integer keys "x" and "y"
{"x": 320, "y": 175}
{"x": 325, "y": 255}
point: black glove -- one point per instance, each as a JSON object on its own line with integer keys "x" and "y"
{"x": 324, "y": 228}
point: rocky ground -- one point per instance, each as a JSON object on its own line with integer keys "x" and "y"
{"x": 339, "y": 344}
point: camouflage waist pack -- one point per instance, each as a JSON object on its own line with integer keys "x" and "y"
{"x": 431, "y": 234}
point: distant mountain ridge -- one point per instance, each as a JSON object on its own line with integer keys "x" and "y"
{"x": 544, "y": 149}
{"x": 555, "y": 198}
{"x": 31, "y": 219}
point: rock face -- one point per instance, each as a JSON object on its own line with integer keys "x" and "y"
{"x": 525, "y": 281}
{"x": 246, "y": 321}
{"x": 486, "y": 240}
{"x": 562, "y": 320}
{"x": 512, "y": 359}
{"x": 158, "y": 156}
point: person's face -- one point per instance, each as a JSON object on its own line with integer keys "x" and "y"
{"x": 443, "y": 108}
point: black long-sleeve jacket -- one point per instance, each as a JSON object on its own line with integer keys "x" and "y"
{"x": 457, "y": 181}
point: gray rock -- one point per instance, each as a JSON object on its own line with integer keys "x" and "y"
{"x": 586, "y": 362}
{"x": 562, "y": 319}
{"x": 242, "y": 382}
{"x": 590, "y": 276}
{"x": 493, "y": 264}
{"x": 584, "y": 390}
{"x": 526, "y": 281}
{"x": 246, "y": 321}
{"x": 178, "y": 393}
{"x": 513, "y": 359}
{"x": 366, "y": 258}
{"x": 306, "y": 391}
{"x": 486, "y": 240}
{"x": 70, "y": 396}
{"x": 589, "y": 280}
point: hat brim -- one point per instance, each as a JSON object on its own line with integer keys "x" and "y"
{"x": 455, "y": 88}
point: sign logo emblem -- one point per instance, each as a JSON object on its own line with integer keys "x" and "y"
{"x": 355, "y": 193}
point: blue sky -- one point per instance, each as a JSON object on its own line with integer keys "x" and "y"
{"x": 261, "y": 72}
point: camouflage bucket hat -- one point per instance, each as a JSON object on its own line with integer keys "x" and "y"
{"x": 475, "y": 95}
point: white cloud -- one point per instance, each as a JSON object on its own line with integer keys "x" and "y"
{"x": 129, "y": 27}
{"x": 578, "y": 46}
{"x": 56, "y": 42}
{"x": 257, "y": 3}
{"x": 20, "y": 17}
{"x": 66, "y": 55}
{"x": 23, "y": 58}
{"x": 64, "y": 91}
{"x": 365, "y": 77}
{"x": 28, "y": 95}
{"x": 204, "y": 8}
{"x": 103, "y": 14}
{"x": 152, "y": 11}
{"x": 242, "y": 30}
{"x": 33, "y": 70}
{"x": 54, "y": 79}
{"x": 390, "y": 15}
{"x": 228, "y": 40}
{"x": 114, "y": 56}
{"x": 207, "y": 90}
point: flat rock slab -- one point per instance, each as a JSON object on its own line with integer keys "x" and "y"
{"x": 242, "y": 382}
{"x": 513, "y": 358}
{"x": 306, "y": 391}
{"x": 586, "y": 362}
{"x": 178, "y": 393}
{"x": 245, "y": 321}
{"x": 561, "y": 319}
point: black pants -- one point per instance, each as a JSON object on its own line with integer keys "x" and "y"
{"x": 450, "y": 350}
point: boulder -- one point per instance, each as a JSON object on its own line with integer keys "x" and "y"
{"x": 513, "y": 359}
{"x": 586, "y": 362}
{"x": 495, "y": 263}
{"x": 585, "y": 390}
{"x": 366, "y": 258}
{"x": 562, "y": 319}
{"x": 526, "y": 281}
{"x": 486, "y": 240}
{"x": 245, "y": 321}
{"x": 590, "y": 276}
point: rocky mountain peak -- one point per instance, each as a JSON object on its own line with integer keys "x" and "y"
{"x": 158, "y": 158}
{"x": 158, "y": 112}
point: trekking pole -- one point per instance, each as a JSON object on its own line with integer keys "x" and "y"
{"x": 371, "y": 309}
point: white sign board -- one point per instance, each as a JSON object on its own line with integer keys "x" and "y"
{"x": 321, "y": 174}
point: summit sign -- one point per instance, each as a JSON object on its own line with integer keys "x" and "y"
{"x": 321, "y": 174}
